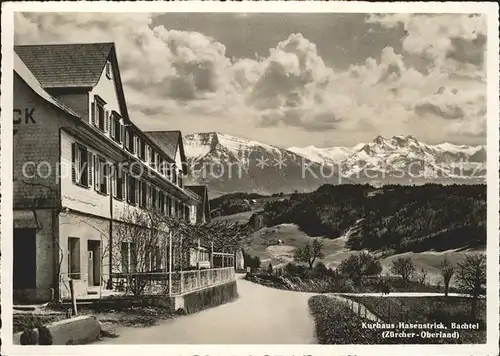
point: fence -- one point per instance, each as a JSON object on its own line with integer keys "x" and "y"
{"x": 158, "y": 283}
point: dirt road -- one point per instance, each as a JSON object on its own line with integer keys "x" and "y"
{"x": 261, "y": 315}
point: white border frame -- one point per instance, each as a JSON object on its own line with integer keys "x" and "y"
{"x": 491, "y": 9}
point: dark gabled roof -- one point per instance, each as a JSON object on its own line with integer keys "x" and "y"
{"x": 169, "y": 142}
{"x": 200, "y": 190}
{"x": 25, "y": 74}
{"x": 66, "y": 65}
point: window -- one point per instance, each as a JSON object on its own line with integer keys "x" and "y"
{"x": 116, "y": 127}
{"x": 174, "y": 174}
{"x": 130, "y": 141}
{"x": 192, "y": 213}
{"x": 118, "y": 183}
{"x": 125, "y": 257}
{"x": 161, "y": 166}
{"x": 168, "y": 168}
{"x": 133, "y": 257}
{"x": 142, "y": 149}
{"x": 73, "y": 258}
{"x": 162, "y": 202}
{"x": 180, "y": 179}
{"x": 132, "y": 188}
{"x": 80, "y": 165}
{"x": 101, "y": 174}
{"x": 154, "y": 198}
{"x": 153, "y": 159}
{"x": 143, "y": 194}
{"x": 168, "y": 205}
{"x": 148, "y": 153}
{"x": 108, "y": 70}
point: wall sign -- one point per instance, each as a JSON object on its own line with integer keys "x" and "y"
{"x": 23, "y": 117}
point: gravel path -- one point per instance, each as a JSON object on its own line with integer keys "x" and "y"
{"x": 261, "y": 315}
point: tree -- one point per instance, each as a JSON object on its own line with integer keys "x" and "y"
{"x": 142, "y": 239}
{"x": 252, "y": 262}
{"x": 359, "y": 265}
{"x": 422, "y": 276}
{"x": 404, "y": 268}
{"x": 471, "y": 278}
{"x": 447, "y": 270}
{"x": 310, "y": 252}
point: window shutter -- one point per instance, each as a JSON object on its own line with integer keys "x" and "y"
{"x": 122, "y": 133}
{"x": 123, "y": 185}
{"x": 114, "y": 180}
{"x": 73, "y": 162}
{"x": 106, "y": 120}
{"x": 92, "y": 113}
{"x": 137, "y": 183}
{"x": 126, "y": 193}
{"x": 90, "y": 167}
{"x": 97, "y": 171}
{"x": 112, "y": 124}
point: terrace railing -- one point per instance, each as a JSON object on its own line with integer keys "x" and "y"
{"x": 158, "y": 283}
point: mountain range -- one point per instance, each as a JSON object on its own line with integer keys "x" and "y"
{"x": 233, "y": 164}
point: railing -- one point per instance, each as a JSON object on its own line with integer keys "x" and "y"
{"x": 158, "y": 283}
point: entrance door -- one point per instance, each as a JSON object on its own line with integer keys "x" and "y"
{"x": 24, "y": 276}
{"x": 94, "y": 262}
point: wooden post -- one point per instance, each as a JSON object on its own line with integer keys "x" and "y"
{"x": 73, "y": 297}
{"x": 212, "y": 255}
{"x": 170, "y": 263}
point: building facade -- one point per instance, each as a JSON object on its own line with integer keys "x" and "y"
{"x": 81, "y": 168}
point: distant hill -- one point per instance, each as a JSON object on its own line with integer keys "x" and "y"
{"x": 398, "y": 218}
{"x": 234, "y": 203}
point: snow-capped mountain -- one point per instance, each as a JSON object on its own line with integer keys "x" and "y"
{"x": 228, "y": 163}
{"x": 403, "y": 158}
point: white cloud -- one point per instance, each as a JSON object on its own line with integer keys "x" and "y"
{"x": 451, "y": 41}
{"x": 185, "y": 78}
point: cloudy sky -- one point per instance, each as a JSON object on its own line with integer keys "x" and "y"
{"x": 292, "y": 79}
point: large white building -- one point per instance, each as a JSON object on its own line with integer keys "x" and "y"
{"x": 71, "y": 124}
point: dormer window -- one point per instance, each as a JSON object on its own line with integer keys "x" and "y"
{"x": 99, "y": 116}
{"x": 130, "y": 141}
{"x": 116, "y": 127}
{"x": 108, "y": 69}
{"x": 142, "y": 150}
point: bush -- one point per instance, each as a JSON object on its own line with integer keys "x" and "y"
{"x": 44, "y": 336}
{"x": 292, "y": 269}
{"x": 336, "y": 323}
{"x": 360, "y": 265}
{"x": 341, "y": 285}
{"x": 29, "y": 337}
{"x": 320, "y": 270}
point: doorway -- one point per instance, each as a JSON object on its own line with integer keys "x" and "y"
{"x": 94, "y": 262}
{"x": 24, "y": 273}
